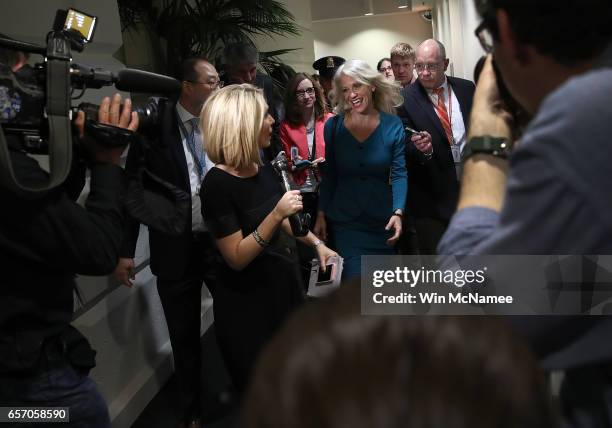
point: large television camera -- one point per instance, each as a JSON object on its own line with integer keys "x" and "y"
{"x": 36, "y": 110}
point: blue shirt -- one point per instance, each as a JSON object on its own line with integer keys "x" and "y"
{"x": 559, "y": 193}
{"x": 558, "y": 201}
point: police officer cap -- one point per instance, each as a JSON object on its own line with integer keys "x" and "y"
{"x": 328, "y": 65}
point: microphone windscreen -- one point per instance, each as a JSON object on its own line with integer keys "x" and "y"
{"x": 131, "y": 80}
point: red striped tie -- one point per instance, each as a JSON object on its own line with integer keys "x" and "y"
{"x": 443, "y": 114}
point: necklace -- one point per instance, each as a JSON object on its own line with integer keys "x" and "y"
{"x": 310, "y": 127}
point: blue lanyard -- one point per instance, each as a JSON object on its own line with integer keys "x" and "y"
{"x": 189, "y": 137}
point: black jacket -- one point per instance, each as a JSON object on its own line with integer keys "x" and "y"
{"x": 165, "y": 158}
{"x": 433, "y": 188}
{"x": 44, "y": 242}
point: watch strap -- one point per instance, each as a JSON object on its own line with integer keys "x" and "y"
{"x": 487, "y": 144}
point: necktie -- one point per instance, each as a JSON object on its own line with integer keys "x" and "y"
{"x": 442, "y": 113}
{"x": 195, "y": 146}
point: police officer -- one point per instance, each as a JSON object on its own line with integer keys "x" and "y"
{"x": 327, "y": 67}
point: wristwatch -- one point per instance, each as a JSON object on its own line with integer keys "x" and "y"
{"x": 489, "y": 145}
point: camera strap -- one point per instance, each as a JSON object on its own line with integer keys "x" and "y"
{"x": 60, "y": 132}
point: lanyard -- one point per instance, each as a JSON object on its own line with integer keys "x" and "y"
{"x": 311, "y": 153}
{"x": 450, "y": 109}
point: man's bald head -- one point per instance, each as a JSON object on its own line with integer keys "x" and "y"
{"x": 435, "y": 45}
{"x": 431, "y": 63}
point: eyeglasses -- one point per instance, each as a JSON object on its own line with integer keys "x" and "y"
{"x": 213, "y": 85}
{"x": 302, "y": 92}
{"x": 429, "y": 67}
{"x": 485, "y": 37}
{"x": 384, "y": 69}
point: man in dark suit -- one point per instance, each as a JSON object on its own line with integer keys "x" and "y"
{"x": 240, "y": 66}
{"x": 181, "y": 263}
{"x": 439, "y": 106}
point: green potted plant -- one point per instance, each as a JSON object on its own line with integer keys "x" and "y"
{"x": 185, "y": 29}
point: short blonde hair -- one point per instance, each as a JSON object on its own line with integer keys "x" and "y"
{"x": 386, "y": 95}
{"x": 231, "y": 122}
{"x": 404, "y": 50}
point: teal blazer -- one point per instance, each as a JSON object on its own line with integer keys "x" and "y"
{"x": 364, "y": 183}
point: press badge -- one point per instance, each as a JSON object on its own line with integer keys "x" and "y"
{"x": 456, "y": 149}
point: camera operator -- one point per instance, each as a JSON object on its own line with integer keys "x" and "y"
{"x": 45, "y": 240}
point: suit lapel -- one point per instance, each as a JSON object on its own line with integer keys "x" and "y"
{"x": 424, "y": 102}
{"x": 177, "y": 151}
{"x": 465, "y": 101}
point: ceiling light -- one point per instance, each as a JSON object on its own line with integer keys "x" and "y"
{"x": 370, "y": 8}
{"x": 403, "y": 4}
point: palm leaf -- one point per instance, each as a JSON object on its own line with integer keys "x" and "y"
{"x": 203, "y": 27}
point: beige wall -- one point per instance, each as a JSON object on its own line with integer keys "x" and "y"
{"x": 454, "y": 24}
{"x": 368, "y": 38}
{"x": 304, "y": 57}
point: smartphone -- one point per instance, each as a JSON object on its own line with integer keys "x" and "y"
{"x": 409, "y": 130}
{"x": 325, "y": 277}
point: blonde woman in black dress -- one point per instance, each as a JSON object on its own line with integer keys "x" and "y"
{"x": 246, "y": 211}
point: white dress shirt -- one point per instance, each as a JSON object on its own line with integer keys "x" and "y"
{"x": 195, "y": 181}
{"x": 455, "y": 115}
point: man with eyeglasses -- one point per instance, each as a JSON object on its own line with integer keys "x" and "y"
{"x": 438, "y": 106}
{"x": 550, "y": 194}
{"x": 181, "y": 263}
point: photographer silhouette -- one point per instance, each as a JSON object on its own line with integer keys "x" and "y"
{"x": 45, "y": 239}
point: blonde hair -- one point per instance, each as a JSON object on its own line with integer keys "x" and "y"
{"x": 404, "y": 50}
{"x": 231, "y": 122}
{"x": 386, "y": 95}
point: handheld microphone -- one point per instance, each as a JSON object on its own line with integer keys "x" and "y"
{"x": 299, "y": 223}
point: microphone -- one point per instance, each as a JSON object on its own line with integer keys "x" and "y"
{"x": 132, "y": 80}
{"x": 127, "y": 79}
{"x": 299, "y": 223}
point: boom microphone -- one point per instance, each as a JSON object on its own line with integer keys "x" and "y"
{"x": 128, "y": 79}
{"x": 131, "y": 80}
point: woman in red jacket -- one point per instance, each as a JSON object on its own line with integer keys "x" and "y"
{"x": 301, "y": 132}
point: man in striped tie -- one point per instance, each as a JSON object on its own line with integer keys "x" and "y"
{"x": 439, "y": 106}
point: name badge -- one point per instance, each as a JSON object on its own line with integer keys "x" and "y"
{"x": 456, "y": 150}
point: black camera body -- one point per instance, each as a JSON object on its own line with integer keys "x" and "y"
{"x": 36, "y": 110}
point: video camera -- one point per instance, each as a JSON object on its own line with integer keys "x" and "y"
{"x": 36, "y": 112}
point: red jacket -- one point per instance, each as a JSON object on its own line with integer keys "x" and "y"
{"x": 295, "y": 136}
